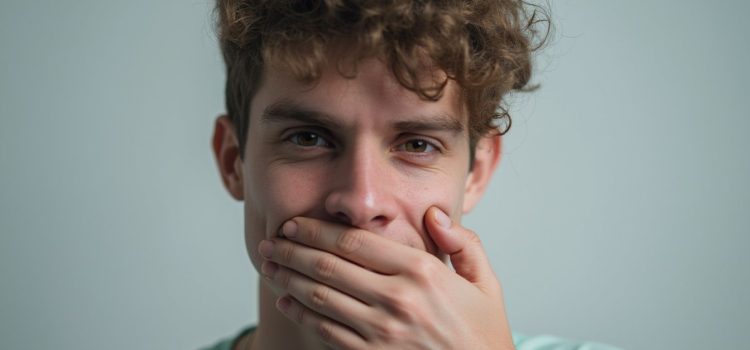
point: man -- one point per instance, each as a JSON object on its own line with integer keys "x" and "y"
{"x": 358, "y": 133}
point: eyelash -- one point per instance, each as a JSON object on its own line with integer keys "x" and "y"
{"x": 431, "y": 147}
{"x": 294, "y": 138}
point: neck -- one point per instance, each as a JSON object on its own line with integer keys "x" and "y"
{"x": 276, "y": 331}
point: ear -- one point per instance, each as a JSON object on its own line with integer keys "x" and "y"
{"x": 486, "y": 159}
{"x": 227, "y": 153}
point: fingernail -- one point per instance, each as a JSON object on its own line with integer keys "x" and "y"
{"x": 283, "y": 303}
{"x": 265, "y": 248}
{"x": 289, "y": 229}
{"x": 442, "y": 219}
{"x": 269, "y": 268}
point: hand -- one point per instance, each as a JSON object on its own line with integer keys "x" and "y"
{"x": 359, "y": 290}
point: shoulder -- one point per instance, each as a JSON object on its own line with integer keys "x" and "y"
{"x": 228, "y": 343}
{"x": 548, "y": 342}
{"x": 521, "y": 342}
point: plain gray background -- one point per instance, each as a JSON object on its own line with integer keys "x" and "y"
{"x": 619, "y": 213}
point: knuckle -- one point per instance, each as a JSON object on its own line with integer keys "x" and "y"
{"x": 300, "y": 315}
{"x": 389, "y": 330}
{"x": 313, "y": 231}
{"x": 284, "y": 278}
{"x": 325, "y": 268}
{"x": 325, "y": 331}
{"x": 473, "y": 237}
{"x": 319, "y": 296}
{"x": 405, "y": 307}
{"x": 388, "y": 295}
{"x": 423, "y": 270}
{"x": 401, "y": 303}
{"x": 286, "y": 252}
{"x": 350, "y": 241}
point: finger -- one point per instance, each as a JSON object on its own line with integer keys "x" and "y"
{"x": 331, "y": 332}
{"x": 320, "y": 298}
{"x": 325, "y": 268}
{"x": 463, "y": 246}
{"x": 359, "y": 246}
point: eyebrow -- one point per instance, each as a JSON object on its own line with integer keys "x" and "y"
{"x": 438, "y": 122}
{"x": 285, "y": 110}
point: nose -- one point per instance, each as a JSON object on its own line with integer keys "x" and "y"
{"x": 361, "y": 192}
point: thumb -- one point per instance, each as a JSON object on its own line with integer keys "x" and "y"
{"x": 463, "y": 246}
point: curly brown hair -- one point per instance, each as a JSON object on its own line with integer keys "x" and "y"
{"x": 484, "y": 45}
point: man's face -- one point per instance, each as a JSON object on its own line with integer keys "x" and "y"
{"x": 364, "y": 152}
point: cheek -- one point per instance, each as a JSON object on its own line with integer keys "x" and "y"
{"x": 274, "y": 193}
{"x": 444, "y": 191}
{"x": 443, "y": 188}
{"x": 420, "y": 198}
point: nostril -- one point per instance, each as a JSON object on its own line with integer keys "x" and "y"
{"x": 343, "y": 218}
{"x": 365, "y": 224}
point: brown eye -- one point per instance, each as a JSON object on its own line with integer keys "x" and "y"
{"x": 308, "y": 139}
{"x": 418, "y": 146}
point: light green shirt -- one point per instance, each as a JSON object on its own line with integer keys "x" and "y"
{"x": 522, "y": 342}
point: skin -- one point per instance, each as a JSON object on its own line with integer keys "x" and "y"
{"x": 353, "y": 191}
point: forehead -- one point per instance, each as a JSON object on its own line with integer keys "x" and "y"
{"x": 369, "y": 96}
